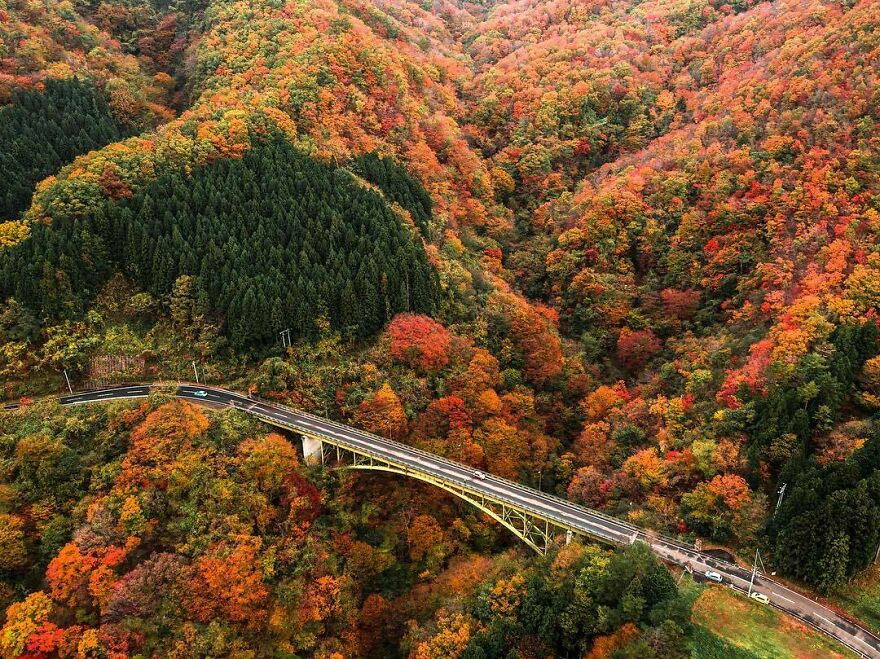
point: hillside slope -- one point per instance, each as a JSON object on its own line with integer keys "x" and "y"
{"x": 646, "y": 235}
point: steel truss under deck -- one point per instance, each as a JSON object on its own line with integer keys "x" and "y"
{"x": 537, "y": 532}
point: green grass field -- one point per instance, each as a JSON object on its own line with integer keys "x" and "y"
{"x": 732, "y": 627}
{"x": 862, "y": 598}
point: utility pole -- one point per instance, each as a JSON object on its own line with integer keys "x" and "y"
{"x": 687, "y": 570}
{"x": 754, "y": 571}
{"x": 781, "y": 493}
{"x": 286, "y": 341}
{"x": 196, "y": 371}
{"x": 69, "y": 388}
{"x": 877, "y": 555}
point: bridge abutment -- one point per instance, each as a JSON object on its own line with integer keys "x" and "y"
{"x": 313, "y": 450}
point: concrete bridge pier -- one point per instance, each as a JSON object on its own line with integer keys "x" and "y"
{"x": 313, "y": 450}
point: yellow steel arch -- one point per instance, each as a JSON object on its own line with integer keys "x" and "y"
{"x": 521, "y": 533}
{"x": 518, "y": 521}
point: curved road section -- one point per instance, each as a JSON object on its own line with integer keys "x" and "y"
{"x": 579, "y": 518}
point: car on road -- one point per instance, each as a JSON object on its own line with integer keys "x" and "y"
{"x": 760, "y": 597}
{"x": 479, "y": 475}
{"x": 711, "y": 575}
{"x": 201, "y": 393}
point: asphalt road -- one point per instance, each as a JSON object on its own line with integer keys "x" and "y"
{"x": 566, "y": 513}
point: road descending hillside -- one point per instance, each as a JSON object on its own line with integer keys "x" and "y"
{"x": 569, "y": 515}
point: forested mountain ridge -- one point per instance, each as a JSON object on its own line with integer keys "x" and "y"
{"x": 327, "y": 248}
{"x": 247, "y": 67}
{"x": 647, "y": 236}
{"x": 49, "y": 40}
{"x": 41, "y": 131}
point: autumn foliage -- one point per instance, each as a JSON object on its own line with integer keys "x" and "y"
{"x": 382, "y": 414}
{"x": 195, "y": 527}
{"x": 635, "y": 348}
{"x": 419, "y": 341}
{"x": 654, "y": 228}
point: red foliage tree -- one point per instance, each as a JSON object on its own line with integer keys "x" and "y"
{"x": 441, "y": 416}
{"x": 636, "y": 348}
{"x": 681, "y": 304}
{"x": 419, "y": 341}
{"x": 590, "y": 487}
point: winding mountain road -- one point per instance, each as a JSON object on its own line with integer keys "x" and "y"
{"x": 590, "y": 522}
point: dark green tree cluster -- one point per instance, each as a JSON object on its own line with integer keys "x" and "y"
{"x": 42, "y": 131}
{"x": 828, "y": 526}
{"x": 566, "y": 609}
{"x": 272, "y": 241}
{"x": 811, "y": 399}
{"x": 829, "y": 521}
{"x": 397, "y": 185}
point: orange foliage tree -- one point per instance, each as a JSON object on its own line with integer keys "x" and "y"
{"x": 228, "y": 582}
{"x": 382, "y": 414}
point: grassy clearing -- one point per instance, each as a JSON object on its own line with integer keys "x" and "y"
{"x": 735, "y": 627}
{"x": 862, "y": 598}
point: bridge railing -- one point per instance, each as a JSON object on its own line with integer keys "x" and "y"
{"x": 406, "y": 468}
{"x": 628, "y": 528}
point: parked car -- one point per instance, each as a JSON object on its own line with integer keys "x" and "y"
{"x": 711, "y": 575}
{"x": 760, "y": 597}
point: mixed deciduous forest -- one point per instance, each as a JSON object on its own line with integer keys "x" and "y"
{"x": 207, "y": 537}
{"x": 627, "y": 252}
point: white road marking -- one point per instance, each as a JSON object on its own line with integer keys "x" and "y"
{"x": 586, "y": 520}
{"x": 587, "y": 525}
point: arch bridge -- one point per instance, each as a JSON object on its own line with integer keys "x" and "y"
{"x": 537, "y": 518}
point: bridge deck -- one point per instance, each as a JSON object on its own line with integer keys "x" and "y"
{"x": 527, "y": 512}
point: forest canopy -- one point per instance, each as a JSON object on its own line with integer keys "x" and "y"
{"x": 397, "y": 185}
{"x": 274, "y": 240}
{"x": 656, "y": 229}
{"x": 43, "y": 130}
